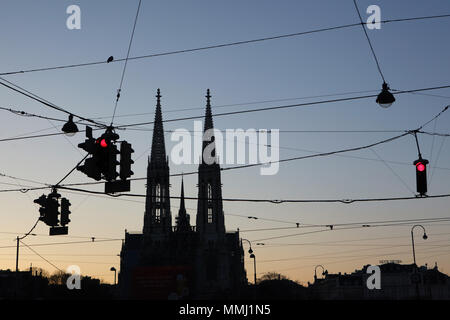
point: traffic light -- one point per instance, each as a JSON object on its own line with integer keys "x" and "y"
{"x": 89, "y": 144}
{"x": 42, "y": 201}
{"x": 110, "y": 172}
{"x": 48, "y": 210}
{"x": 105, "y": 155}
{"x": 421, "y": 175}
{"x": 125, "y": 160}
{"x": 65, "y": 204}
{"x": 52, "y": 209}
{"x": 90, "y": 168}
{"x": 103, "y": 162}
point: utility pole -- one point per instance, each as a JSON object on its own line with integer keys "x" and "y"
{"x": 17, "y": 255}
{"x": 18, "y": 239}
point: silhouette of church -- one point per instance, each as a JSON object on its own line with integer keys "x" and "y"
{"x": 181, "y": 261}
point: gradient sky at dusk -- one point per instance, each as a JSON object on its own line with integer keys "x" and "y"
{"x": 411, "y": 54}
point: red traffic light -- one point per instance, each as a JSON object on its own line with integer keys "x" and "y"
{"x": 420, "y": 166}
{"x": 102, "y": 142}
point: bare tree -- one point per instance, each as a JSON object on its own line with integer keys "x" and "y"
{"x": 273, "y": 276}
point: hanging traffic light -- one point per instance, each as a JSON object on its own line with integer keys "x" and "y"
{"x": 89, "y": 144}
{"x": 42, "y": 201}
{"x": 49, "y": 209}
{"x": 52, "y": 209}
{"x": 421, "y": 175}
{"x": 65, "y": 205}
{"x": 110, "y": 172}
{"x": 90, "y": 169}
{"x": 103, "y": 162}
{"x": 125, "y": 160}
{"x": 49, "y": 212}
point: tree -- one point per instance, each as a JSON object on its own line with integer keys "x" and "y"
{"x": 58, "y": 278}
{"x": 40, "y": 272}
{"x": 273, "y": 276}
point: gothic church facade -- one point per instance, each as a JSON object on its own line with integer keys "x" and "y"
{"x": 181, "y": 261}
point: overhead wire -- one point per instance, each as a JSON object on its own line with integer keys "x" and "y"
{"x": 125, "y": 65}
{"x": 229, "y": 44}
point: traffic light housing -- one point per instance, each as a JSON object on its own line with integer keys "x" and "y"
{"x": 65, "y": 205}
{"x": 125, "y": 160}
{"x": 421, "y": 175}
{"x": 42, "y": 201}
{"x": 91, "y": 169}
{"x": 49, "y": 212}
{"x": 110, "y": 170}
{"x": 49, "y": 209}
{"x": 103, "y": 150}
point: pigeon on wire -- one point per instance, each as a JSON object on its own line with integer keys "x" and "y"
{"x": 111, "y": 58}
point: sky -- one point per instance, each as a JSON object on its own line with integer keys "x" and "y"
{"x": 411, "y": 54}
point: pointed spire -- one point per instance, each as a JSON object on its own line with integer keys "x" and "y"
{"x": 183, "y": 223}
{"x": 182, "y": 205}
{"x": 208, "y": 126}
{"x": 208, "y": 114}
{"x": 158, "y": 154}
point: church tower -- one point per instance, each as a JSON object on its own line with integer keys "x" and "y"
{"x": 183, "y": 219}
{"x": 157, "y": 217}
{"x": 210, "y": 219}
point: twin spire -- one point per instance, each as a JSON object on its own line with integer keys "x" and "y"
{"x": 158, "y": 158}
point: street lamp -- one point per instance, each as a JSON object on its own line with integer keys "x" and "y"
{"x": 315, "y": 271}
{"x": 18, "y": 239}
{"x": 115, "y": 271}
{"x": 70, "y": 128}
{"x": 385, "y": 99}
{"x": 252, "y": 256}
{"x": 425, "y": 237}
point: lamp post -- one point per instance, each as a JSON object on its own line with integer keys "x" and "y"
{"x": 315, "y": 271}
{"x": 416, "y": 277}
{"x": 17, "y": 258}
{"x": 115, "y": 272}
{"x": 425, "y": 237}
{"x": 17, "y": 250}
{"x": 252, "y": 255}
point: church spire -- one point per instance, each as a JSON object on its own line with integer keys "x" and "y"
{"x": 182, "y": 206}
{"x": 157, "y": 217}
{"x": 208, "y": 114}
{"x": 210, "y": 219}
{"x": 209, "y": 137}
{"x": 183, "y": 219}
{"x": 158, "y": 154}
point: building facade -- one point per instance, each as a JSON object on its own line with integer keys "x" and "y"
{"x": 398, "y": 282}
{"x": 181, "y": 261}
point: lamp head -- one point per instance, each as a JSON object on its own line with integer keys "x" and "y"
{"x": 70, "y": 128}
{"x": 425, "y": 237}
{"x": 385, "y": 99}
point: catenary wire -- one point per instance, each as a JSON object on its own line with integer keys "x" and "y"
{"x": 237, "y": 43}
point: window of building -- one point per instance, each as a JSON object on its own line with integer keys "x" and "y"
{"x": 210, "y": 204}
{"x": 158, "y": 203}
